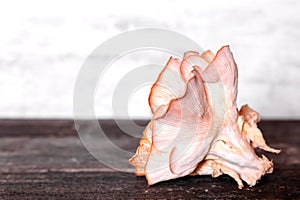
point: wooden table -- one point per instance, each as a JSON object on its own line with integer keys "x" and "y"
{"x": 42, "y": 159}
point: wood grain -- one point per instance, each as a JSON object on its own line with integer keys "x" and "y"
{"x": 45, "y": 159}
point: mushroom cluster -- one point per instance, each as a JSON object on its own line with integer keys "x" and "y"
{"x": 196, "y": 128}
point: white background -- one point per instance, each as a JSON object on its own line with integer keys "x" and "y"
{"x": 44, "y": 44}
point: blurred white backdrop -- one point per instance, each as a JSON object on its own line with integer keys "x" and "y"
{"x": 43, "y": 45}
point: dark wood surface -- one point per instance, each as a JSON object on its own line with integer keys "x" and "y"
{"x": 45, "y": 159}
